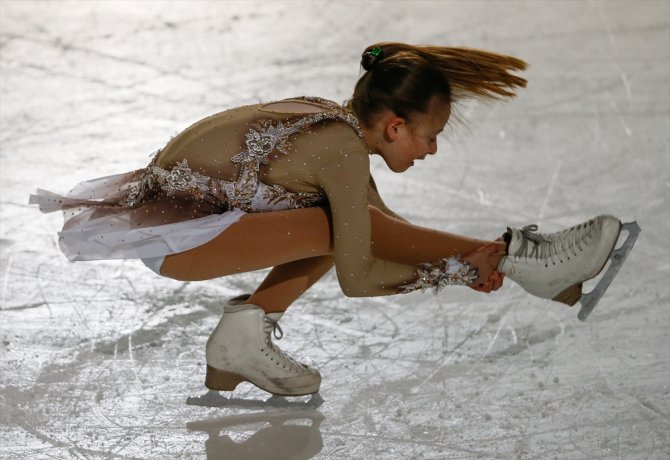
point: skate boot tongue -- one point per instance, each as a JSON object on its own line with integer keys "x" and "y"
{"x": 273, "y": 329}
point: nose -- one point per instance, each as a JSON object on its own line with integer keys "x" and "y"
{"x": 433, "y": 148}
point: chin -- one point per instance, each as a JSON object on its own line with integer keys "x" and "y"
{"x": 399, "y": 169}
{"x": 396, "y": 168}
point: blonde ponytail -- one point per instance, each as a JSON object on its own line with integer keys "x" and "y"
{"x": 403, "y": 78}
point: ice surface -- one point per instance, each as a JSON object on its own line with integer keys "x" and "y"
{"x": 99, "y": 359}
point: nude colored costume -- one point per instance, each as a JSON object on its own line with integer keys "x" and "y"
{"x": 245, "y": 160}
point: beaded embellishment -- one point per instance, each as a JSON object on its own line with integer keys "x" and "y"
{"x": 246, "y": 192}
{"x": 180, "y": 178}
{"x": 453, "y": 271}
{"x": 266, "y": 137}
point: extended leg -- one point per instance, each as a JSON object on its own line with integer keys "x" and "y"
{"x": 269, "y": 239}
{"x": 406, "y": 243}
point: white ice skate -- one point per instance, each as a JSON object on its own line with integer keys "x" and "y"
{"x": 555, "y": 266}
{"x": 241, "y": 350}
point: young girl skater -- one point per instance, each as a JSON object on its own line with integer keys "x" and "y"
{"x": 287, "y": 185}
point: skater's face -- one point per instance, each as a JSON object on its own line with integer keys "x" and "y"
{"x": 401, "y": 142}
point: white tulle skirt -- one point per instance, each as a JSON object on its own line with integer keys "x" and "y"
{"x": 96, "y": 229}
{"x": 94, "y": 240}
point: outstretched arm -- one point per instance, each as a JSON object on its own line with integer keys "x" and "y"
{"x": 374, "y": 260}
{"x": 345, "y": 178}
{"x": 403, "y": 242}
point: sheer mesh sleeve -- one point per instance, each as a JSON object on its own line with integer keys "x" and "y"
{"x": 345, "y": 177}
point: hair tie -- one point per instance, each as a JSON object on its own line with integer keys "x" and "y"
{"x": 370, "y": 57}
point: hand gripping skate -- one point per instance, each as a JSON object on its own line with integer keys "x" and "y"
{"x": 617, "y": 256}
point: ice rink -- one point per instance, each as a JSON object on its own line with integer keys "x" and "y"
{"x": 105, "y": 360}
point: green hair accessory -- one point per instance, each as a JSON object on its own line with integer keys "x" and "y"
{"x": 370, "y": 57}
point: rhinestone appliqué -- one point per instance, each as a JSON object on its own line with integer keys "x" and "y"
{"x": 263, "y": 139}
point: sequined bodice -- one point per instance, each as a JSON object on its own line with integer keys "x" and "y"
{"x": 246, "y": 192}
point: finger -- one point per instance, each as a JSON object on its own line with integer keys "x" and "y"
{"x": 486, "y": 287}
{"x": 494, "y": 281}
{"x": 478, "y": 287}
{"x": 497, "y": 284}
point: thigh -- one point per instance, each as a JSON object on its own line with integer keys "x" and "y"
{"x": 256, "y": 241}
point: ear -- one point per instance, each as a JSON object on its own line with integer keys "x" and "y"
{"x": 393, "y": 127}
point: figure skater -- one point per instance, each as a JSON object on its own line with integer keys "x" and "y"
{"x": 287, "y": 185}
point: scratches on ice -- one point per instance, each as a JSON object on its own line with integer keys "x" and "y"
{"x": 97, "y": 360}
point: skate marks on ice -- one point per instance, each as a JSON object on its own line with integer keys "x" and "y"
{"x": 102, "y": 378}
{"x": 527, "y": 398}
{"x": 47, "y": 439}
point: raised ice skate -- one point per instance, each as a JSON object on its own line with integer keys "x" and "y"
{"x": 555, "y": 266}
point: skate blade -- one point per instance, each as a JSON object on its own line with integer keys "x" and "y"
{"x": 618, "y": 256}
{"x": 213, "y": 398}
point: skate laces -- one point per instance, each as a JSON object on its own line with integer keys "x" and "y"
{"x": 554, "y": 247}
{"x": 272, "y": 328}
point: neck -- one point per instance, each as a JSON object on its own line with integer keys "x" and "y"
{"x": 371, "y": 139}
